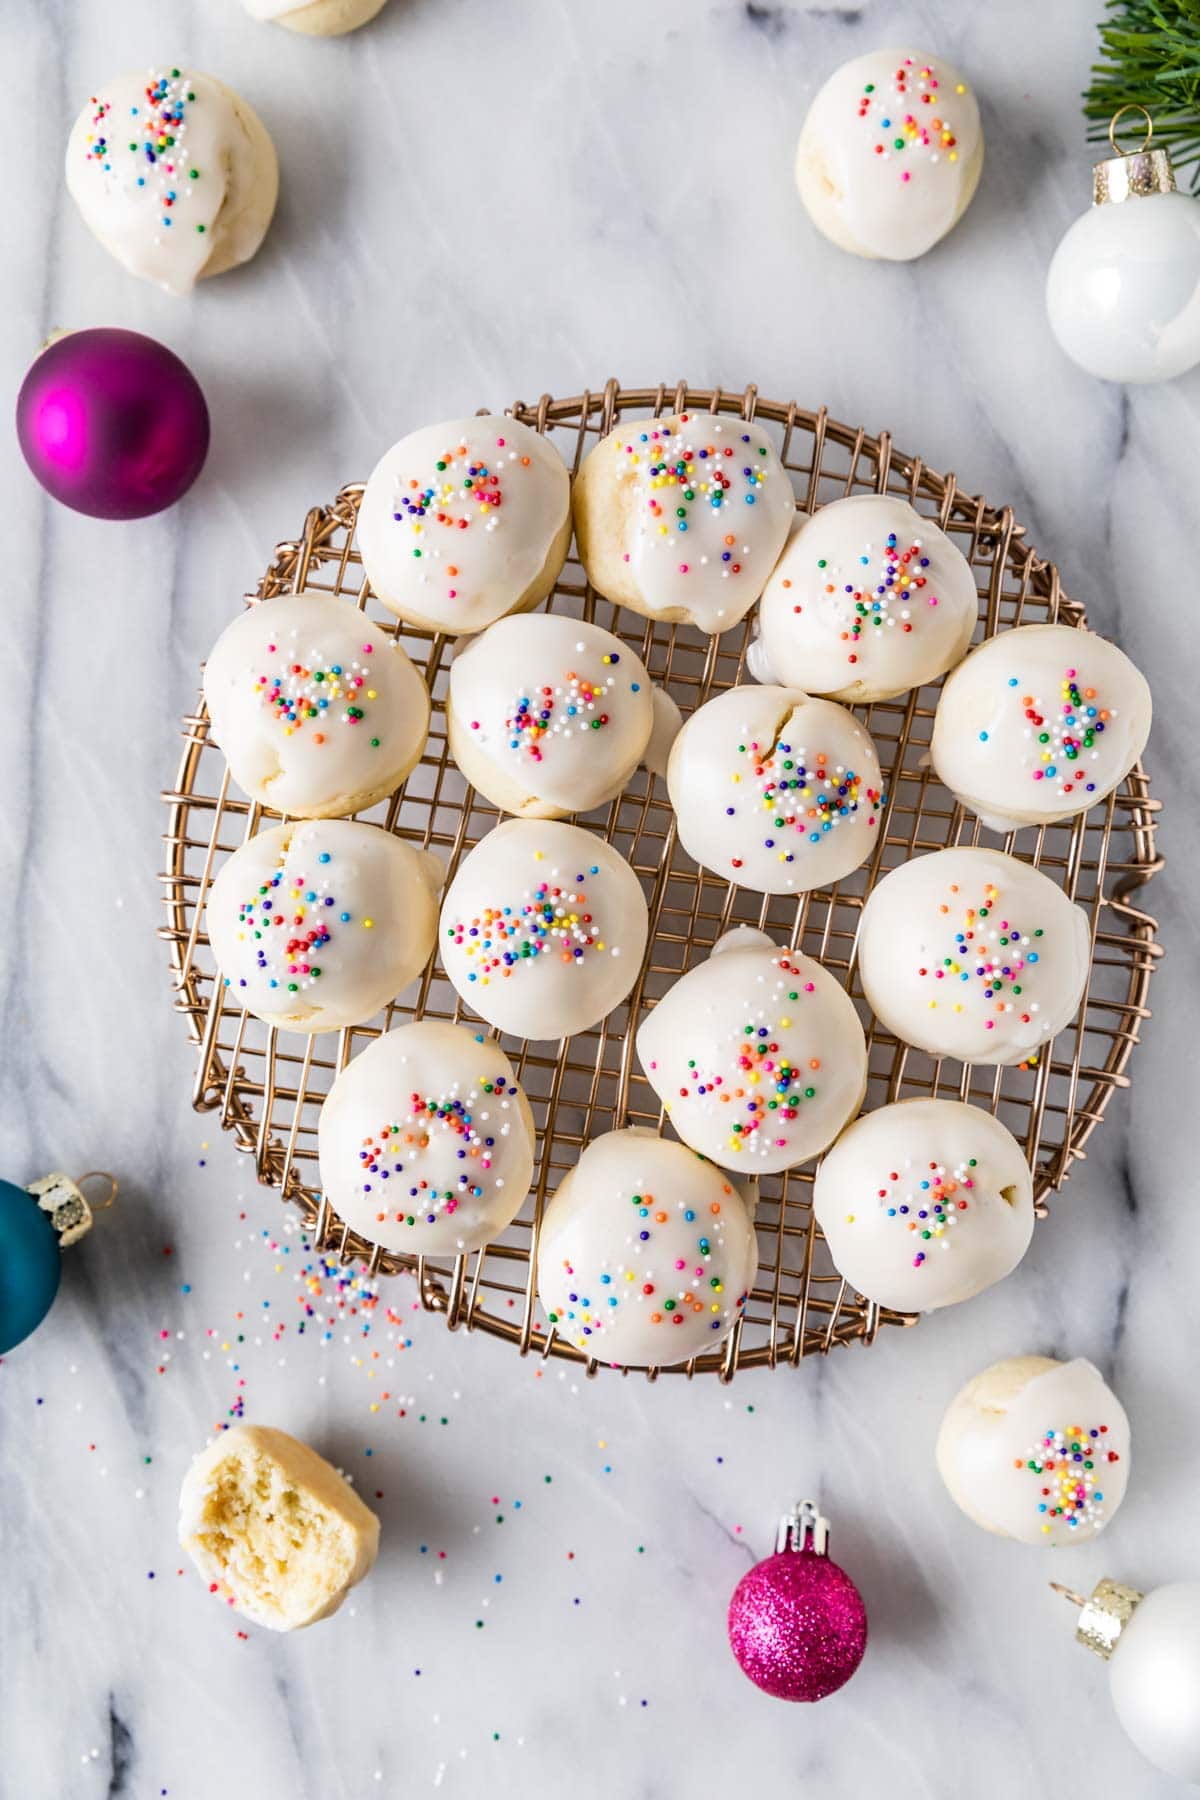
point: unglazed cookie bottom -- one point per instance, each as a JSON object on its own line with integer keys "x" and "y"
{"x": 273, "y": 1527}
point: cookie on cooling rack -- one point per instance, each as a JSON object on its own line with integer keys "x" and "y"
{"x": 890, "y": 154}
{"x": 1036, "y": 1450}
{"x": 1039, "y": 724}
{"x": 318, "y": 925}
{"x": 548, "y": 715}
{"x": 318, "y": 711}
{"x": 774, "y": 791}
{"x": 316, "y": 18}
{"x": 682, "y": 518}
{"x": 174, "y": 174}
{"x": 646, "y": 1252}
{"x": 757, "y": 1055}
{"x": 972, "y": 954}
{"x": 868, "y": 600}
{"x": 426, "y": 1141}
{"x": 925, "y": 1203}
{"x": 465, "y": 522}
{"x": 543, "y": 928}
{"x": 277, "y": 1533}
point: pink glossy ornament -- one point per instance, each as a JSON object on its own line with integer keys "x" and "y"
{"x": 797, "y": 1623}
{"x": 112, "y": 423}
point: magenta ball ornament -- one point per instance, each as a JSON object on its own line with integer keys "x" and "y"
{"x": 112, "y": 423}
{"x": 797, "y": 1623}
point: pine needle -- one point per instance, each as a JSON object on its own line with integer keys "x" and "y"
{"x": 1151, "y": 58}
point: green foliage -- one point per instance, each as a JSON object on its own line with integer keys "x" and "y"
{"x": 1151, "y": 58}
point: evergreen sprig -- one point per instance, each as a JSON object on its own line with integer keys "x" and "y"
{"x": 1151, "y": 58}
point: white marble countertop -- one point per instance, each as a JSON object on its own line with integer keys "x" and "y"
{"x": 484, "y": 199}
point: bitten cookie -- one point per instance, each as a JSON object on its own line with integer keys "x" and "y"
{"x": 890, "y": 154}
{"x": 316, "y": 18}
{"x": 465, "y": 522}
{"x": 426, "y": 1141}
{"x": 972, "y": 954}
{"x": 682, "y": 518}
{"x": 318, "y": 925}
{"x": 868, "y": 600}
{"x": 273, "y": 1528}
{"x": 757, "y": 1055}
{"x": 647, "y": 1252}
{"x": 174, "y": 174}
{"x": 548, "y": 715}
{"x": 774, "y": 791}
{"x": 1039, "y": 724}
{"x": 1036, "y": 1450}
{"x": 543, "y": 928}
{"x": 925, "y": 1203}
{"x": 318, "y": 712}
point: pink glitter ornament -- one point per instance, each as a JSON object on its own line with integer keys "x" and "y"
{"x": 797, "y": 1623}
{"x": 112, "y": 423}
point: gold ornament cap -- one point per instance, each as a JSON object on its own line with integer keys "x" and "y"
{"x": 70, "y": 1212}
{"x": 1129, "y": 175}
{"x": 1104, "y": 1616}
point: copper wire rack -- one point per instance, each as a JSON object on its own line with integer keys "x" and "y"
{"x": 267, "y": 1086}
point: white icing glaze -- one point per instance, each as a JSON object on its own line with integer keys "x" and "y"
{"x": 972, "y": 954}
{"x": 683, "y": 517}
{"x": 1059, "y": 1417}
{"x": 548, "y": 715}
{"x": 350, "y": 916}
{"x": 426, "y": 1141}
{"x": 868, "y": 600}
{"x": 464, "y": 522}
{"x": 318, "y": 712}
{"x": 274, "y": 9}
{"x": 173, "y": 172}
{"x": 925, "y": 1203}
{"x": 774, "y": 791}
{"x": 646, "y": 1252}
{"x": 890, "y": 153}
{"x": 757, "y": 1056}
{"x": 543, "y": 928}
{"x": 1039, "y": 724}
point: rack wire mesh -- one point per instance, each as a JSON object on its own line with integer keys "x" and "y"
{"x": 267, "y": 1086}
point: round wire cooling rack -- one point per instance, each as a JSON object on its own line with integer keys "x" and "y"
{"x": 267, "y": 1086}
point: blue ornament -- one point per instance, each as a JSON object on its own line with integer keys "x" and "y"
{"x": 36, "y": 1224}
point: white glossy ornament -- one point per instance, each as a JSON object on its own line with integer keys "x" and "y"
{"x": 1123, "y": 289}
{"x": 1151, "y": 1643}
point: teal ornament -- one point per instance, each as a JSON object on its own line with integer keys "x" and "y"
{"x": 36, "y": 1224}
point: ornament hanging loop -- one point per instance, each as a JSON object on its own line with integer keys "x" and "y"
{"x": 1131, "y": 107}
{"x": 111, "y": 1188}
{"x": 1130, "y": 174}
{"x": 803, "y": 1529}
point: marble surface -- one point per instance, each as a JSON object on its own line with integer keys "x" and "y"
{"x": 481, "y": 201}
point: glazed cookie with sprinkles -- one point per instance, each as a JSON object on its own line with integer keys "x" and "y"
{"x": 682, "y": 518}
{"x": 316, "y": 18}
{"x": 890, "y": 154}
{"x": 174, "y": 174}
{"x": 548, "y": 715}
{"x": 925, "y": 1203}
{"x": 774, "y": 791}
{"x": 646, "y": 1254}
{"x": 868, "y": 600}
{"x": 757, "y": 1056}
{"x": 1036, "y": 1450}
{"x": 318, "y": 711}
{"x": 970, "y": 953}
{"x": 426, "y": 1141}
{"x": 318, "y": 925}
{"x": 543, "y": 929}
{"x": 463, "y": 523}
{"x": 1039, "y": 724}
